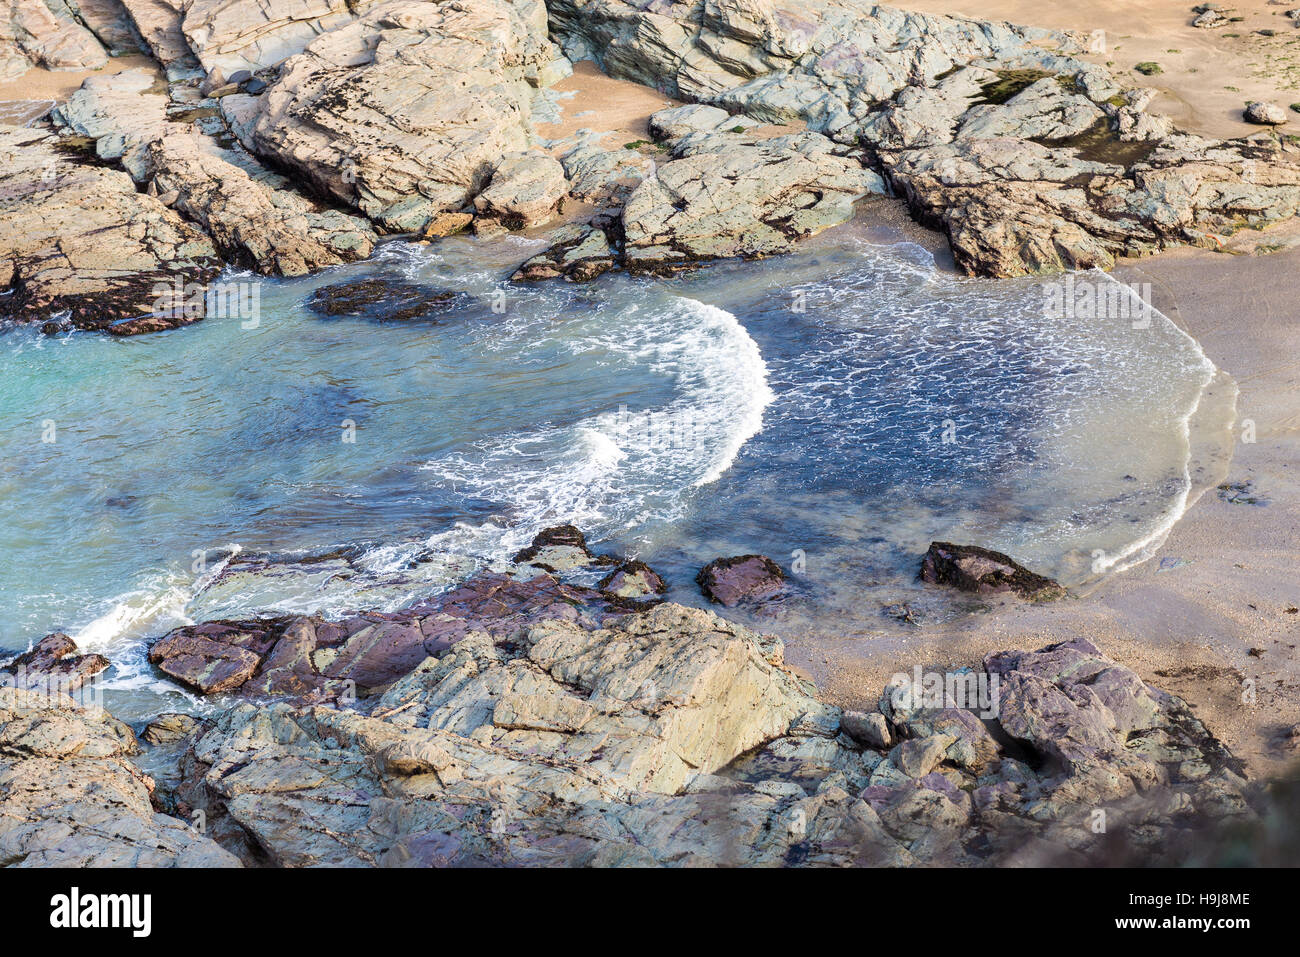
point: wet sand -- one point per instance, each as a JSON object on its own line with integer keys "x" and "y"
{"x": 1212, "y": 616}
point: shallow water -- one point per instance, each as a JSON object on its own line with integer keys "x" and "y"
{"x": 837, "y": 409}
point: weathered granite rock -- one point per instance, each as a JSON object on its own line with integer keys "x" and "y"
{"x": 363, "y": 112}
{"x": 975, "y": 569}
{"x": 310, "y": 659}
{"x": 1030, "y": 159}
{"x": 255, "y": 217}
{"x": 72, "y": 797}
{"x": 727, "y": 195}
{"x": 742, "y": 578}
{"x": 76, "y": 236}
{"x": 234, "y": 35}
{"x": 526, "y": 190}
{"x": 52, "y": 664}
{"x": 670, "y": 737}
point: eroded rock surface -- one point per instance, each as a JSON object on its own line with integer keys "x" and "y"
{"x": 1030, "y": 159}
{"x": 73, "y": 798}
{"x": 78, "y": 237}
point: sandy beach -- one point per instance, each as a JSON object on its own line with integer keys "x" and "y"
{"x": 1207, "y": 75}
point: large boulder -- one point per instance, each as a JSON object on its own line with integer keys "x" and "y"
{"x": 364, "y": 113}
{"x": 984, "y": 571}
{"x": 741, "y": 578}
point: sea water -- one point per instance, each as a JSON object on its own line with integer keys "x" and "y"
{"x": 836, "y": 409}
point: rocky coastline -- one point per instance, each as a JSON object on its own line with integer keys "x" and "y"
{"x": 521, "y": 720}
{"x": 288, "y": 139}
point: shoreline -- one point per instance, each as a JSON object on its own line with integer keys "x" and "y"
{"x": 1237, "y": 553}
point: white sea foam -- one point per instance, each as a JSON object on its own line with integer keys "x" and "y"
{"x": 613, "y": 470}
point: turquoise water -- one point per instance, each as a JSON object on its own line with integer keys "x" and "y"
{"x": 836, "y": 409}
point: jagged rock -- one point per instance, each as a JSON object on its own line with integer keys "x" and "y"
{"x": 44, "y": 38}
{"x": 1019, "y": 153}
{"x": 976, "y": 569}
{"x": 869, "y": 728}
{"x": 1264, "y": 114}
{"x": 253, "y": 216}
{"x": 743, "y": 578}
{"x": 310, "y": 659}
{"x": 170, "y": 728}
{"x": 633, "y": 579}
{"x": 72, "y": 797}
{"x": 731, "y": 196}
{"x": 672, "y": 737}
{"x": 53, "y": 663}
{"x": 109, "y": 21}
{"x": 364, "y": 115}
{"x": 235, "y": 35}
{"x": 556, "y": 549}
{"x": 579, "y": 253}
{"x": 76, "y": 236}
{"x": 526, "y": 190}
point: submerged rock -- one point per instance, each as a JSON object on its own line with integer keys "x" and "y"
{"x": 975, "y": 569}
{"x": 385, "y": 300}
{"x": 743, "y": 578}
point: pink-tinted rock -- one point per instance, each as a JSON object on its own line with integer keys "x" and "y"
{"x": 53, "y": 663}
{"x": 744, "y": 578}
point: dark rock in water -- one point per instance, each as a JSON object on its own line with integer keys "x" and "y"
{"x": 743, "y": 578}
{"x": 386, "y": 300}
{"x": 633, "y": 579}
{"x": 53, "y": 664}
{"x": 55, "y": 327}
{"x": 975, "y": 569}
{"x": 558, "y": 549}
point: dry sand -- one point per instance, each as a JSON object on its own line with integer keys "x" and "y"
{"x": 1208, "y": 74}
{"x": 39, "y": 90}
